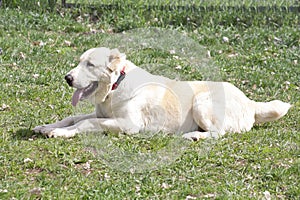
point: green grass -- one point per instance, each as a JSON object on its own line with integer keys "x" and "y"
{"x": 193, "y": 2}
{"x": 261, "y": 58}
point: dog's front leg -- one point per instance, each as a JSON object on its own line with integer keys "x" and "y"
{"x": 69, "y": 121}
{"x": 94, "y": 125}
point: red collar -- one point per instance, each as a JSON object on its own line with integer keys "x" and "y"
{"x": 120, "y": 78}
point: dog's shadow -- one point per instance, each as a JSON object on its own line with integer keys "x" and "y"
{"x": 26, "y": 134}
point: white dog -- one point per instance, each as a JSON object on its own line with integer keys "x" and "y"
{"x": 129, "y": 100}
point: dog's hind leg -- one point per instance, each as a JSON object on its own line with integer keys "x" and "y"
{"x": 209, "y": 115}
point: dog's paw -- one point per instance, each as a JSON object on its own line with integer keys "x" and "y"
{"x": 196, "y": 135}
{"x": 43, "y": 129}
{"x": 37, "y": 129}
{"x": 61, "y": 132}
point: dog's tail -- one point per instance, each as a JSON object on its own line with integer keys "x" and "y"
{"x": 270, "y": 111}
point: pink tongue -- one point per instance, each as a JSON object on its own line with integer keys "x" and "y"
{"x": 76, "y": 96}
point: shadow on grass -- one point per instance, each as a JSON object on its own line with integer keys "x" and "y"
{"x": 26, "y": 134}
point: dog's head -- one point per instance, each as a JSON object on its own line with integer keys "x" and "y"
{"x": 96, "y": 72}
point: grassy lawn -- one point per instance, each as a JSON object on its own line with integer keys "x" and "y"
{"x": 193, "y": 2}
{"x": 258, "y": 52}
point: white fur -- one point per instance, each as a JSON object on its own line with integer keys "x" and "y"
{"x": 145, "y": 102}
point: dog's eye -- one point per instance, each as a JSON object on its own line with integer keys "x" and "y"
{"x": 89, "y": 64}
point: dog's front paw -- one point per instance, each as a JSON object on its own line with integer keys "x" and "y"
{"x": 61, "y": 132}
{"x": 37, "y": 129}
{"x": 43, "y": 129}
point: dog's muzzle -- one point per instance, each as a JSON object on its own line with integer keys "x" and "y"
{"x": 69, "y": 79}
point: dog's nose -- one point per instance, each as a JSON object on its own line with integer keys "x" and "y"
{"x": 69, "y": 79}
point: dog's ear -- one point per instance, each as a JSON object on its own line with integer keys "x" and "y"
{"x": 115, "y": 58}
{"x": 114, "y": 54}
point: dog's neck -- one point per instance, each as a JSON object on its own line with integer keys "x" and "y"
{"x": 120, "y": 78}
{"x": 107, "y": 89}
